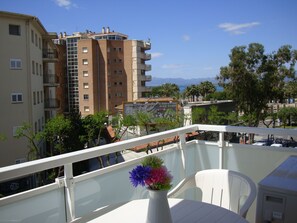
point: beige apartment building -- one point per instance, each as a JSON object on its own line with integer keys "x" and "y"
{"x": 27, "y": 82}
{"x": 105, "y": 70}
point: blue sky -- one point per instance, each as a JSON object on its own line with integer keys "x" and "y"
{"x": 190, "y": 38}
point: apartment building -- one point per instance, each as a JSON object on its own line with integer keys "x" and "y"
{"x": 27, "y": 82}
{"x": 104, "y": 70}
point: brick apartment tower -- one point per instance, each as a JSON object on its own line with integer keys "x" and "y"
{"x": 105, "y": 70}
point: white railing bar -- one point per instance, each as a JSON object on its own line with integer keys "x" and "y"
{"x": 18, "y": 170}
{"x": 118, "y": 166}
{"x": 22, "y": 169}
{"x": 255, "y": 130}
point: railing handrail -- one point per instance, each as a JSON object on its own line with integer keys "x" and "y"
{"x": 23, "y": 169}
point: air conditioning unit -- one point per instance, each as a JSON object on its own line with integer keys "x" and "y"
{"x": 277, "y": 194}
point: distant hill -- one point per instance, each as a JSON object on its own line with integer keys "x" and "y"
{"x": 157, "y": 81}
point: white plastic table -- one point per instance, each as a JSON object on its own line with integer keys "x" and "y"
{"x": 182, "y": 211}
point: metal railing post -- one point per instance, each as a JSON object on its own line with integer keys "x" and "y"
{"x": 221, "y": 145}
{"x": 181, "y": 144}
{"x": 69, "y": 192}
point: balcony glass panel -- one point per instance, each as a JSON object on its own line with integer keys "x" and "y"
{"x": 48, "y": 207}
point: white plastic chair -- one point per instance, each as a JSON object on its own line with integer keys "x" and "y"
{"x": 225, "y": 188}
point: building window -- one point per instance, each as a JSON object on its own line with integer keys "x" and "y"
{"x": 15, "y": 64}
{"x": 33, "y": 67}
{"x": 37, "y": 72}
{"x": 39, "y": 125}
{"x": 120, "y": 60}
{"x": 86, "y": 85}
{"x": 16, "y": 97}
{"x": 120, "y": 72}
{"x": 34, "y": 98}
{"x": 40, "y": 68}
{"x": 38, "y": 97}
{"x": 14, "y": 30}
{"x": 41, "y": 96}
{"x": 85, "y": 62}
{"x": 85, "y": 49}
{"x": 85, "y": 73}
{"x": 39, "y": 43}
{"x": 86, "y": 108}
{"x": 36, "y": 43}
{"x": 32, "y": 36}
{"x": 86, "y": 97}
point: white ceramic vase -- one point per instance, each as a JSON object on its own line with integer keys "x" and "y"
{"x": 158, "y": 208}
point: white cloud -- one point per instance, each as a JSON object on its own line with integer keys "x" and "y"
{"x": 67, "y": 4}
{"x": 186, "y": 37}
{"x": 237, "y": 29}
{"x": 172, "y": 66}
{"x": 156, "y": 54}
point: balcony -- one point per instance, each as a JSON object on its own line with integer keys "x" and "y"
{"x": 50, "y": 80}
{"x": 147, "y": 45}
{"x": 49, "y": 55}
{"x": 71, "y": 198}
{"x": 145, "y": 77}
{"x": 51, "y": 103}
{"x": 145, "y": 56}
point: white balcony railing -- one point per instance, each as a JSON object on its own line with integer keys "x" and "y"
{"x": 70, "y": 198}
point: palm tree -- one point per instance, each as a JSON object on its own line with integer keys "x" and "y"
{"x": 192, "y": 91}
{"x": 206, "y": 88}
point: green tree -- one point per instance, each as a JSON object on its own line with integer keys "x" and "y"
{"x": 291, "y": 89}
{"x": 145, "y": 120}
{"x": 166, "y": 90}
{"x": 205, "y": 88}
{"x": 216, "y": 117}
{"x": 287, "y": 115}
{"x": 199, "y": 116}
{"x": 94, "y": 125}
{"x": 122, "y": 124}
{"x": 218, "y": 95}
{"x": 253, "y": 78}
{"x": 34, "y": 140}
{"x": 2, "y": 137}
{"x": 57, "y": 132}
{"x": 192, "y": 91}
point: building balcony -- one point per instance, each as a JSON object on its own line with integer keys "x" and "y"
{"x": 146, "y": 77}
{"x": 147, "y": 67}
{"x": 51, "y": 103}
{"x": 49, "y": 55}
{"x": 145, "y": 56}
{"x": 50, "y": 80}
{"x": 74, "y": 198}
{"x": 147, "y": 45}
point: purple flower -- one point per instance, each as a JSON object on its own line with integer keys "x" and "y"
{"x": 139, "y": 174}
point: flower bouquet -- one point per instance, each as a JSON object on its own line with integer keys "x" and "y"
{"x": 152, "y": 173}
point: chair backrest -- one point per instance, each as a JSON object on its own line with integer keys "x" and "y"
{"x": 225, "y": 188}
